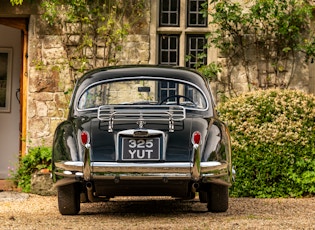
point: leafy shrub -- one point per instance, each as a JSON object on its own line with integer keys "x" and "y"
{"x": 273, "y": 143}
{"x": 37, "y": 158}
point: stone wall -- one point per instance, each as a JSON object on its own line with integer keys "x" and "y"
{"x": 50, "y": 81}
{"x": 302, "y": 78}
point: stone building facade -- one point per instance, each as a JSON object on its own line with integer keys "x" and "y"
{"x": 45, "y": 82}
{"x": 50, "y": 79}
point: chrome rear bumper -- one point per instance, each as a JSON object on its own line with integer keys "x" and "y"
{"x": 138, "y": 171}
{"x": 196, "y": 171}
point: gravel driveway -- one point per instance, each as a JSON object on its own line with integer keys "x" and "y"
{"x": 41, "y": 212}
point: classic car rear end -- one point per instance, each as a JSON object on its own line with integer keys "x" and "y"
{"x": 141, "y": 131}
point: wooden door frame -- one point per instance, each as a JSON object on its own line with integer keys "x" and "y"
{"x": 21, "y": 24}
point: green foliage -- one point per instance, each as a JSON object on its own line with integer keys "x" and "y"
{"x": 16, "y": 2}
{"x": 211, "y": 71}
{"x": 273, "y": 143}
{"x": 267, "y": 34}
{"x": 37, "y": 158}
{"x": 94, "y": 30}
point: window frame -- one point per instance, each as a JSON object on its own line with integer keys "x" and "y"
{"x": 196, "y": 50}
{"x": 169, "y": 12}
{"x": 182, "y": 31}
{"x": 189, "y": 13}
{"x": 169, "y": 50}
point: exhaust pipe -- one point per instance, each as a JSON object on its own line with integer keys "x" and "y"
{"x": 194, "y": 187}
{"x": 89, "y": 189}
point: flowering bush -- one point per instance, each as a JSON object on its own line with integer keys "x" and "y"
{"x": 273, "y": 143}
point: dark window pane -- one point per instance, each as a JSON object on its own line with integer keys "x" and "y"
{"x": 173, "y": 43}
{"x": 174, "y": 5}
{"x": 201, "y": 43}
{"x": 164, "y": 41}
{"x": 165, "y": 5}
{"x": 163, "y": 94}
{"x": 173, "y": 57}
{"x": 173, "y": 18}
{"x": 201, "y": 20}
{"x": 192, "y": 44}
{"x": 193, "y": 6}
{"x": 164, "y": 57}
{"x": 171, "y": 84}
{"x": 169, "y": 49}
{"x": 169, "y": 12}
{"x": 195, "y": 17}
{"x": 195, "y": 46}
{"x": 164, "y": 18}
{"x": 193, "y": 57}
{"x": 172, "y": 93}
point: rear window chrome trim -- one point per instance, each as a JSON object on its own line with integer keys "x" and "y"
{"x": 140, "y": 78}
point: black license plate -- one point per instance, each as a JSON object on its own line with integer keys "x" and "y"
{"x": 134, "y": 149}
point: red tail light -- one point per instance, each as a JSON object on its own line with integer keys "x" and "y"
{"x": 196, "y": 137}
{"x": 85, "y": 137}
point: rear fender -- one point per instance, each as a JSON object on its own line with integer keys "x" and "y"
{"x": 217, "y": 147}
{"x": 65, "y": 144}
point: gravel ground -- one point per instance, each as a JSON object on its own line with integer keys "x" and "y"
{"x": 41, "y": 212}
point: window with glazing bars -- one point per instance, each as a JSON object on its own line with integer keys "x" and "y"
{"x": 169, "y": 12}
{"x": 196, "y": 51}
{"x": 195, "y": 17}
{"x": 168, "y": 89}
{"x": 169, "y": 49}
{"x": 169, "y": 44}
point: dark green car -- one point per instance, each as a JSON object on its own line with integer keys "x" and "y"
{"x": 141, "y": 131}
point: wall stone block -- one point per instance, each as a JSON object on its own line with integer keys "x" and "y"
{"x": 52, "y": 110}
{"x": 54, "y": 53}
{"x": 44, "y": 81}
{"x": 41, "y": 109}
{"x": 52, "y": 41}
{"x": 43, "y": 96}
{"x": 31, "y": 110}
{"x": 40, "y": 127}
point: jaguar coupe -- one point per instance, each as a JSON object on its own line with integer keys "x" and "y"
{"x": 142, "y": 131}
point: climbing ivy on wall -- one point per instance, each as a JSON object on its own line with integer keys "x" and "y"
{"x": 268, "y": 36}
{"x": 94, "y": 29}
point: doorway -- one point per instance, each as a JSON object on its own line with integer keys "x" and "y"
{"x": 13, "y": 69}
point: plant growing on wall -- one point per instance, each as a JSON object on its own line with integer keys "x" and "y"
{"x": 266, "y": 36}
{"x": 94, "y": 30}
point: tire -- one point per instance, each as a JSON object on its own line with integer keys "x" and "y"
{"x": 69, "y": 199}
{"x": 218, "y": 198}
{"x": 203, "y": 196}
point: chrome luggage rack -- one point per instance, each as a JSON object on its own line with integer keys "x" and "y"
{"x": 141, "y": 114}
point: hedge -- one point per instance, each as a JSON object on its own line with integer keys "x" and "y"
{"x": 273, "y": 137}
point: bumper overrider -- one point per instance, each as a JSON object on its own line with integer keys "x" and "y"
{"x": 195, "y": 171}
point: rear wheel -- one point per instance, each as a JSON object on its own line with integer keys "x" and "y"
{"x": 203, "y": 196}
{"x": 218, "y": 198}
{"x": 69, "y": 199}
